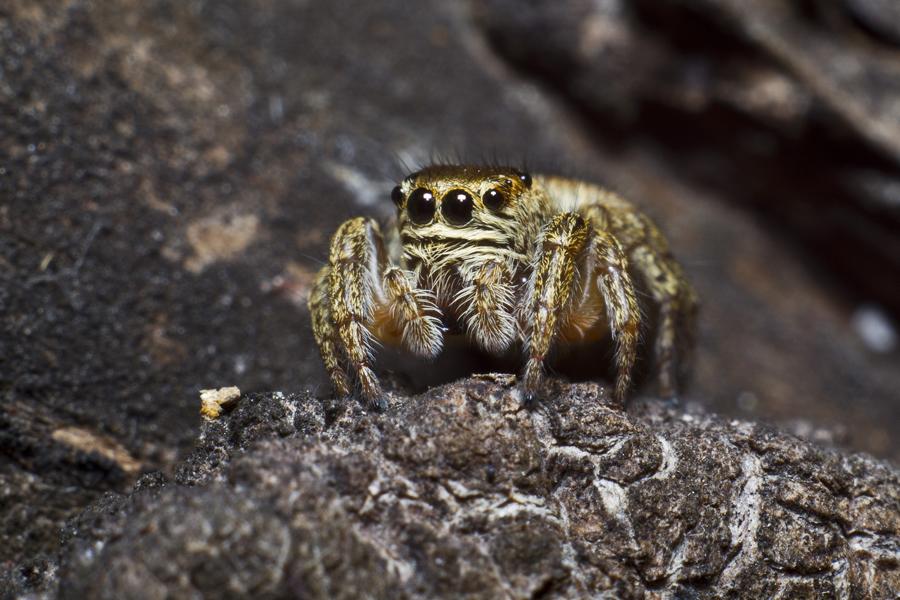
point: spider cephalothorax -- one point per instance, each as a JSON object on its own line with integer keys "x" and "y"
{"x": 506, "y": 258}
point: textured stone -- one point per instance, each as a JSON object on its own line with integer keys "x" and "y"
{"x": 170, "y": 173}
{"x": 461, "y": 492}
{"x": 880, "y": 16}
{"x": 791, "y": 109}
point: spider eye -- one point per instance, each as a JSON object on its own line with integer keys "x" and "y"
{"x": 397, "y": 196}
{"x": 525, "y": 178}
{"x": 457, "y": 207}
{"x": 493, "y": 199}
{"x": 420, "y": 207}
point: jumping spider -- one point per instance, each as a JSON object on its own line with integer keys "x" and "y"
{"x": 508, "y": 258}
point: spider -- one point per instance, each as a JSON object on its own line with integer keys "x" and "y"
{"x": 507, "y": 258}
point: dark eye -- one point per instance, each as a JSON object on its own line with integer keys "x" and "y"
{"x": 397, "y": 196}
{"x": 420, "y": 206}
{"x": 457, "y": 207}
{"x": 493, "y": 199}
{"x": 525, "y": 178}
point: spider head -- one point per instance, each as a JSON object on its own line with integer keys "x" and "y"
{"x": 450, "y": 198}
{"x": 452, "y": 219}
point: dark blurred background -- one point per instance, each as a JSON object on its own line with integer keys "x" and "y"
{"x": 171, "y": 170}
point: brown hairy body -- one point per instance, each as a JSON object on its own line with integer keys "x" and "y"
{"x": 506, "y": 258}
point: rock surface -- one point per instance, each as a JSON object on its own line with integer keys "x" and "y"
{"x": 462, "y": 493}
{"x": 752, "y": 98}
{"x": 170, "y": 173}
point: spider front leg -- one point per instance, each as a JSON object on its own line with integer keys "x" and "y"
{"x": 488, "y": 298}
{"x": 326, "y": 333}
{"x": 350, "y": 302}
{"x": 413, "y": 311}
{"x": 567, "y": 245}
{"x": 553, "y": 284}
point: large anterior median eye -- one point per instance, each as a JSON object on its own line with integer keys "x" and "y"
{"x": 457, "y": 207}
{"x": 420, "y": 207}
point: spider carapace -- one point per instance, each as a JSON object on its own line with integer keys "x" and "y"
{"x": 511, "y": 259}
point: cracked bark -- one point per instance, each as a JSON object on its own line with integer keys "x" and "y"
{"x": 461, "y": 492}
{"x": 146, "y": 144}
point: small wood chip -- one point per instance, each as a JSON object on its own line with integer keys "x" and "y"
{"x": 212, "y": 401}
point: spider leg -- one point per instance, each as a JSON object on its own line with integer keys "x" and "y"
{"x": 325, "y": 332}
{"x": 554, "y": 282}
{"x": 351, "y": 307}
{"x": 488, "y": 299}
{"x": 677, "y": 303}
{"x": 354, "y": 291}
{"x": 623, "y": 312}
{"x": 651, "y": 261}
{"x": 412, "y": 310}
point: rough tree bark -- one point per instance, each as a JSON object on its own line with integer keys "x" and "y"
{"x": 461, "y": 492}
{"x": 170, "y": 173}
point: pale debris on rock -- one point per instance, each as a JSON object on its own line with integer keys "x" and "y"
{"x": 212, "y": 401}
{"x": 89, "y": 442}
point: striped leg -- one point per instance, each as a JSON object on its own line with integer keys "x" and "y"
{"x": 553, "y": 284}
{"x": 650, "y": 259}
{"x": 326, "y": 333}
{"x": 354, "y": 292}
{"x": 413, "y": 312}
{"x": 677, "y": 309}
{"x": 488, "y": 299}
{"x": 350, "y": 303}
{"x": 622, "y": 308}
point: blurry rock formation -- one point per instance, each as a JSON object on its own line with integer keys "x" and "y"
{"x": 170, "y": 173}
